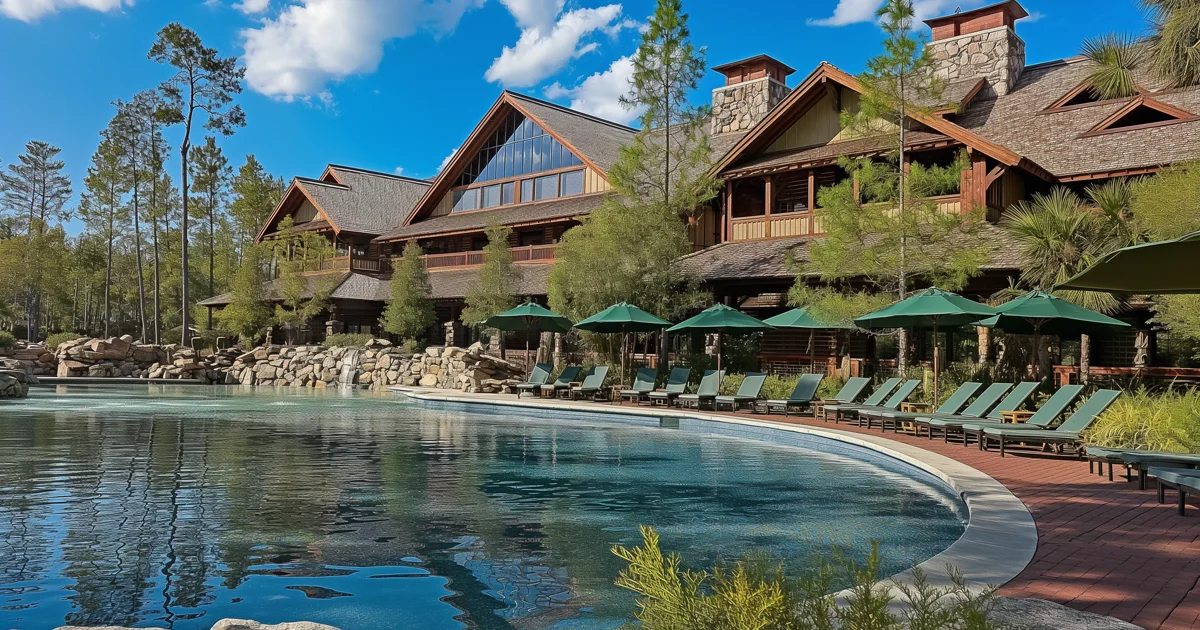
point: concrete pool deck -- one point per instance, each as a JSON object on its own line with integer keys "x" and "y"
{"x": 1000, "y": 537}
{"x": 1102, "y": 547}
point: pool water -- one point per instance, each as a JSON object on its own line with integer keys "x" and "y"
{"x": 160, "y": 506}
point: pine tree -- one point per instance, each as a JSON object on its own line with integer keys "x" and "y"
{"x": 255, "y": 195}
{"x": 249, "y": 312}
{"x": 410, "y": 311}
{"x": 496, "y": 290}
{"x": 879, "y": 226}
{"x": 136, "y": 131}
{"x": 210, "y": 177}
{"x": 204, "y": 84}
{"x": 303, "y": 296}
{"x": 102, "y": 207}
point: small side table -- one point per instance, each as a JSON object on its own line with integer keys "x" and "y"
{"x": 1015, "y": 417}
{"x": 913, "y": 407}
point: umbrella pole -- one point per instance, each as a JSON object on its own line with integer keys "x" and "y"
{"x": 936, "y": 357}
{"x": 720, "y": 333}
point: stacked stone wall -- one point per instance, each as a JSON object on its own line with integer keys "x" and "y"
{"x": 997, "y": 55}
{"x": 740, "y": 106}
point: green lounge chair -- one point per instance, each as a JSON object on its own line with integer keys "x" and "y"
{"x": 1182, "y": 480}
{"x": 1066, "y": 433}
{"x": 1142, "y": 461}
{"x": 953, "y": 404}
{"x": 874, "y": 399}
{"x": 849, "y": 392}
{"x": 537, "y": 378}
{"x": 643, "y": 384}
{"x": 746, "y": 394}
{"x": 1042, "y": 419}
{"x": 984, "y": 409}
{"x": 891, "y": 404}
{"x": 710, "y": 386}
{"x": 563, "y": 382}
{"x": 802, "y": 396}
{"x": 593, "y": 384}
{"x": 676, "y": 385}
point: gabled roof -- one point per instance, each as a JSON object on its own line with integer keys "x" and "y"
{"x": 594, "y": 140}
{"x": 512, "y": 216}
{"x": 352, "y": 200}
{"x": 805, "y": 94}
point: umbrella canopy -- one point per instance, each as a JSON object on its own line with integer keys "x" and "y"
{"x": 927, "y": 309}
{"x": 800, "y": 318}
{"x": 622, "y": 318}
{"x": 529, "y": 317}
{"x": 1038, "y": 312}
{"x": 718, "y": 318}
{"x": 1152, "y": 268}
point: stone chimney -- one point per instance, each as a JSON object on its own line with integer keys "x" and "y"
{"x": 980, "y": 43}
{"x": 753, "y": 87}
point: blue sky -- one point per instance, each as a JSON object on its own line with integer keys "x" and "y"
{"x": 398, "y": 84}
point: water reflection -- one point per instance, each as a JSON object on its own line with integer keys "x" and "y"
{"x": 179, "y": 506}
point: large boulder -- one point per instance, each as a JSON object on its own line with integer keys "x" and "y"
{"x": 1039, "y": 614}
{"x": 11, "y": 387}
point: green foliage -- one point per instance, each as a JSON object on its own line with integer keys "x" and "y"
{"x": 1166, "y": 422}
{"x": 1117, "y": 58}
{"x": 1174, "y": 32}
{"x": 829, "y": 304}
{"x": 6, "y": 339}
{"x": 255, "y": 194}
{"x": 347, "y": 340}
{"x": 55, "y": 340}
{"x": 830, "y": 386}
{"x": 1059, "y": 235}
{"x": 412, "y": 346}
{"x": 1165, "y": 204}
{"x": 410, "y": 311}
{"x": 496, "y": 290}
{"x": 249, "y": 313}
{"x": 935, "y": 180}
{"x": 303, "y": 296}
{"x": 756, "y": 594}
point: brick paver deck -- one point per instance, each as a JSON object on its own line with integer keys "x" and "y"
{"x": 1103, "y": 546}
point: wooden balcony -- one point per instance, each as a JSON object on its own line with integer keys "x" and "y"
{"x": 793, "y": 224}
{"x": 529, "y": 254}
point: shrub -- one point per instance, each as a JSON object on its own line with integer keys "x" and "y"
{"x": 412, "y": 346}
{"x": 756, "y": 593}
{"x": 347, "y": 340}
{"x": 1167, "y": 422}
{"x": 57, "y": 339}
{"x": 7, "y": 339}
{"x": 830, "y": 386}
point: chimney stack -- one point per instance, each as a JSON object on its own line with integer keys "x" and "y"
{"x": 753, "y": 87}
{"x": 980, "y": 43}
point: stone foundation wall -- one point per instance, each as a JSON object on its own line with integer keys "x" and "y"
{"x": 997, "y": 55}
{"x": 123, "y": 357}
{"x": 34, "y": 358}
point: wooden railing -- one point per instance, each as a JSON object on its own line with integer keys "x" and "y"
{"x": 457, "y": 259}
{"x": 365, "y": 264}
{"x": 529, "y": 254}
{"x": 533, "y": 253}
{"x": 791, "y": 224}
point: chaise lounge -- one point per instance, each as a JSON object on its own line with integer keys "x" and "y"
{"x": 953, "y": 404}
{"x": 1068, "y": 433}
{"x": 876, "y": 397}
{"x": 676, "y": 385}
{"x": 710, "y": 386}
{"x": 593, "y": 384}
{"x": 746, "y": 394}
{"x": 1041, "y": 419}
{"x": 538, "y": 377}
{"x": 801, "y": 396}
{"x": 643, "y": 384}
{"x": 984, "y": 409}
{"x": 891, "y": 404}
{"x": 563, "y": 382}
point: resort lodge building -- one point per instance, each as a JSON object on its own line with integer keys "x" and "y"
{"x": 539, "y": 168}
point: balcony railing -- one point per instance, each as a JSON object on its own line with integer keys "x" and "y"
{"x": 792, "y": 224}
{"x": 529, "y": 254}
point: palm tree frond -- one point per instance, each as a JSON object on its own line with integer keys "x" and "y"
{"x": 1117, "y": 56}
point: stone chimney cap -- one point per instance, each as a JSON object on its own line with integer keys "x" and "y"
{"x": 755, "y": 67}
{"x": 755, "y": 60}
{"x": 991, "y": 16}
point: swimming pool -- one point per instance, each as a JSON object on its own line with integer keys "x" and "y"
{"x": 177, "y": 506}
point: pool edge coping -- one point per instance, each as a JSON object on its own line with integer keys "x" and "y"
{"x": 998, "y": 542}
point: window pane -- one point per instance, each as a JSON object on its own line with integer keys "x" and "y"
{"x": 545, "y": 187}
{"x": 572, "y": 183}
{"x": 506, "y": 193}
{"x": 491, "y": 196}
{"x": 526, "y": 190}
{"x": 555, "y": 154}
{"x": 546, "y": 142}
{"x": 466, "y": 199}
{"x": 527, "y": 154}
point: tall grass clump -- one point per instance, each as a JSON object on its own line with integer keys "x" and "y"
{"x": 7, "y": 340}
{"x": 347, "y": 340}
{"x": 55, "y": 340}
{"x": 1161, "y": 422}
{"x": 756, "y": 594}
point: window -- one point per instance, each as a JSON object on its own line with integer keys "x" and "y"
{"x": 1081, "y": 95}
{"x": 506, "y": 192}
{"x": 478, "y": 243}
{"x": 466, "y": 199}
{"x": 1141, "y": 113}
{"x": 545, "y": 187}
{"x": 491, "y": 196}
{"x": 526, "y": 190}
{"x": 532, "y": 238}
{"x": 517, "y": 147}
{"x": 570, "y": 184}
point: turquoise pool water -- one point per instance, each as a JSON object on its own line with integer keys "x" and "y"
{"x": 177, "y": 506}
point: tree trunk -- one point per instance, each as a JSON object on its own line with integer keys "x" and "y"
{"x": 1085, "y": 358}
{"x": 185, "y": 314}
{"x": 985, "y": 344}
{"x": 212, "y": 248}
{"x": 108, "y": 259}
{"x": 137, "y": 244}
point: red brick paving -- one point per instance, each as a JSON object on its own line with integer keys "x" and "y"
{"x": 1103, "y": 547}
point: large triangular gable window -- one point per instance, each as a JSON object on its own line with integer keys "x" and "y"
{"x": 500, "y": 174}
{"x": 1141, "y": 113}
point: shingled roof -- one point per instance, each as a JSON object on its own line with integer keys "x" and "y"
{"x": 449, "y": 284}
{"x": 1055, "y": 139}
{"x": 598, "y": 139}
{"x": 272, "y": 291}
{"x": 365, "y": 202}
{"x": 560, "y": 208}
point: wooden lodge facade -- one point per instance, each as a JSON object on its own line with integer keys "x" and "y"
{"x": 540, "y": 168}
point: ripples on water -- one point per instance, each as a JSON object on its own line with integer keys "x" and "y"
{"x": 175, "y": 507}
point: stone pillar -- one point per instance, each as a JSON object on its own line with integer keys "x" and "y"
{"x": 454, "y": 331}
{"x": 333, "y": 325}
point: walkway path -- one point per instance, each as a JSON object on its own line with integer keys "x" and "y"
{"x": 1103, "y": 547}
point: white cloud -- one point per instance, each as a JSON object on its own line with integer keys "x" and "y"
{"x": 539, "y": 54}
{"x": 535, "y": 14}
{"x": 600, "y": 94}
{"x": 857, "y": 11}
{"x": 31, "y": 10}
{"x": 446, "y": 160}
{"x": 399, "y": 170}
{"x": 250, "y": 7}
{"x": 313, "y": 42}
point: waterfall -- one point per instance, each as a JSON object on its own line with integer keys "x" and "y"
{"x": 349, "y": 367}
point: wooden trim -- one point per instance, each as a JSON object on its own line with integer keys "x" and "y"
{"x": 294, "y": 185}
{"x": 812, "y": 189}
{"x": 493, "y": 182}
{"x": 330, "y": 172}
{"x": 963, "y": 102}
{"x": 750, "y": 172}
{"x": 1129, "y": 172}
{"x": 1142, "y": 101}
{"x": 478, "y": 230}
{"x": 769, "y": 199}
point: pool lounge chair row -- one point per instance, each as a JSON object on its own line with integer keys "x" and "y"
{"x": 1171, "y": 471}
{"x": 566, "y": 383}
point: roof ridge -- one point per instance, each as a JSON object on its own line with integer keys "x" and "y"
{"x": 568, "y": 110}
{"x": 367, "y": 171}
{"x": 310, "y": 180}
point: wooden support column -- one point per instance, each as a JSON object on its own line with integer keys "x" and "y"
{"x": 726, "y": 226}
{"x": 812, "y": 189}
{"x": 767, "y": 199}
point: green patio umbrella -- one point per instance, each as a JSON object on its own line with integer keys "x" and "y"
{"x": 1038, "y": 313}
{"x": 930, "y": 308}
{"x": 529, "y": 317}
{"x": 1151, "y": 268}
{"x": 800, "y": 318}
{"x": 622, "y": 318}
{"x": 718, "y": 319}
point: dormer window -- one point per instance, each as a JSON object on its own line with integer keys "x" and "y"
{"x": 1141, "y": 113}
